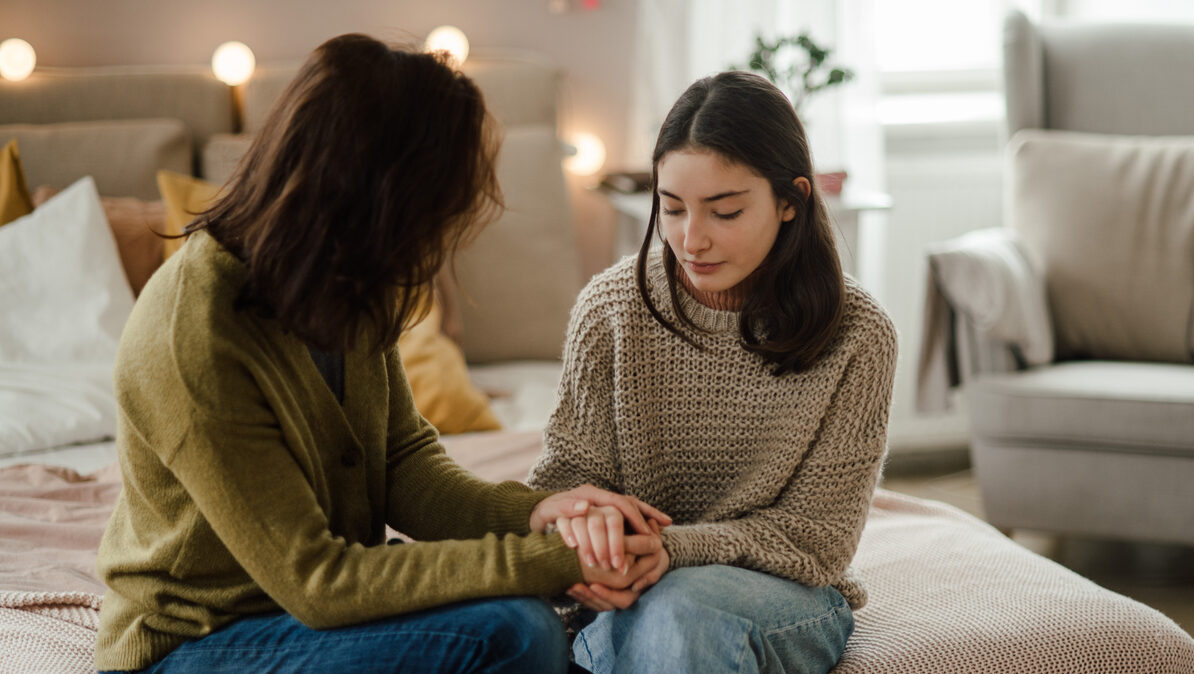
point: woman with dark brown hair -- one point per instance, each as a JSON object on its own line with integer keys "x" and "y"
{"x": 267, "y": 433}
{"x": 735, "y": 378}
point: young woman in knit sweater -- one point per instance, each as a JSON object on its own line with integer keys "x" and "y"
{"x": 267, "y": 433}
{"x": 735, "y": 379}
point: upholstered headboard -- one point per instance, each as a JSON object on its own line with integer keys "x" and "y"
{"x": 116, "y": 124}
{"x": 517, "y": 281}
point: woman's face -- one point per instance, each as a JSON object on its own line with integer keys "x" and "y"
{"x": 720, "y": 218}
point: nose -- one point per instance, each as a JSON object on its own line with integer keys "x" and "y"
{"x": 696, "y": 235}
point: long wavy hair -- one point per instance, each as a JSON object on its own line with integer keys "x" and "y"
{"x": 797, "y": 295}
{"x": 372, "y": 168}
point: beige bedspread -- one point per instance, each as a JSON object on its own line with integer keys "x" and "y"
{"x": 948, "y": 594}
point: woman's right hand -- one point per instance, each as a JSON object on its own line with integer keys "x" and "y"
{"x": 598, "y": 536}
{"x": 642, "y": 554}
{"x": 601, "y": 592}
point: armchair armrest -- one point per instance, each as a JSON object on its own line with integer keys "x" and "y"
{"x": 985, "y": 311}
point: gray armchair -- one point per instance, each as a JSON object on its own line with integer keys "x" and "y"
{"x": 1072, "y": 329}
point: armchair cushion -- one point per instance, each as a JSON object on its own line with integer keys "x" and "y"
{"x": 1110, "y": 221}
{"x": 1095, "y": 448}
{"x": 1127, "y": 407}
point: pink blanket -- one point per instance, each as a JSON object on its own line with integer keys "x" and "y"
{"x": 51, "y": 520}
{"x": 948, "y": 594}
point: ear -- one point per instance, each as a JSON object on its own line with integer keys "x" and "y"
{"x": 801, "y": 184}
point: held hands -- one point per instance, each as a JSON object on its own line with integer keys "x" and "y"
{"x": 605, "y": 590}
{"x": 599, "y": 534}
{"x": 617, "y": 567}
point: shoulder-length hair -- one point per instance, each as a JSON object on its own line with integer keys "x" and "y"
{"x": 797, "y": 295}
{"x": 371, "y": 169}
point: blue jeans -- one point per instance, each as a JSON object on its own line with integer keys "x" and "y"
{"x": 720, "y": 619}
{"x": 494, "y": 635}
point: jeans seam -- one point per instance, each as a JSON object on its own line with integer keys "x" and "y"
{"x": 831, "y": 613}
{"x": 742, "y": 653}
{"x": 585, "y": 642}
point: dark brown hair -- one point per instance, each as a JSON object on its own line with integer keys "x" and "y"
{"x": 797, "y": 295}
{"x": 372, "y": 168}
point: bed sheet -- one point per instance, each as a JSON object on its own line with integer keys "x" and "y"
{"x": 948, "y": 593}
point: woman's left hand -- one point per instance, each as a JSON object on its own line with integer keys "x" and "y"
{"x": 591, "y": 520}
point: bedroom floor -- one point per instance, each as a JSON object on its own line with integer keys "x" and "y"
{"x": 1161, "y": 576}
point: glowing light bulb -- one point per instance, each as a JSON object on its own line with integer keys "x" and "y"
{"x": 450, "y": 39}
{"x": 17, "y": 59}
{"x": 233, "y": 63}
{"x": 589, "y": 156}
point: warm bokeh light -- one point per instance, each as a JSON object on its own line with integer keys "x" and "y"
{"x": 17, "y": 59}
{"x": 589, "y": 156}
{"x": 450, "y": 39}
{"x": 233, "y": 63}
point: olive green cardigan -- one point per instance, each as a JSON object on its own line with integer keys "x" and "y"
{"x": 249, "y": 488}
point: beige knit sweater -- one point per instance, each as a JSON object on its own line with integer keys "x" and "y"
{"x": 762, "y": 472}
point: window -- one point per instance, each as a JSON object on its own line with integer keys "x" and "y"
{"x": 939, "y": 61}
{"x": 925, "y": 36}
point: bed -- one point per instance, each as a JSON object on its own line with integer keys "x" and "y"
{"x": 947, "y": 592}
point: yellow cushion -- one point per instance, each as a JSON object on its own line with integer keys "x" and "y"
{"x": 439, "y": 379}
{"x": 15, "y": 201}
{"x": 184, "y": 196}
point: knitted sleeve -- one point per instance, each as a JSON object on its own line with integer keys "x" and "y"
{"x": 578, "y": 443}
{"x": 811, "y": 531}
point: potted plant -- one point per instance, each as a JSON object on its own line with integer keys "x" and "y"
{"x": 801, "y": 68}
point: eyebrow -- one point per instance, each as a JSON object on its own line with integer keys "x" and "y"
{"x": 715, "y": 197}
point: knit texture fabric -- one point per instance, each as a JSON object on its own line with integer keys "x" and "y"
{"x": 763, "y": 472}
{"x": 47, "y": 631}
{"x": 950, "y": 594}
{"x": 249, "y": 488}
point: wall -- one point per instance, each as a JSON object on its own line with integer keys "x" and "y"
{"x": 944, "y": 180}
{"x": 592, "y": 47}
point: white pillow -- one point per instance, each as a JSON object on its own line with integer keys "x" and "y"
{"x": 64, "y": 301}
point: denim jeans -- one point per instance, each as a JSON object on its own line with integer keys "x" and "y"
{"x": 720, "y": 619}
{"x": 493, "y": 635}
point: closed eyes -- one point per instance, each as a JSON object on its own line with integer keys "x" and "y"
{"x": 721, "y": 216}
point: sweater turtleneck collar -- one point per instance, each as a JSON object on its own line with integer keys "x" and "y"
{"x": 712, "y": 312}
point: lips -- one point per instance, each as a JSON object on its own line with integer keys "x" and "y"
{"x": 702, "y": 267}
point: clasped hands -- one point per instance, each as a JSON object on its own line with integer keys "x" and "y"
{"x": 617, "y": 565}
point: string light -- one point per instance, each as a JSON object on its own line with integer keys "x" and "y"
{"x": 233, "y": 63}
{"x": 589, "y": 156}
{"x": 17, "y": 59}
{"x": 450, "y": 39}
